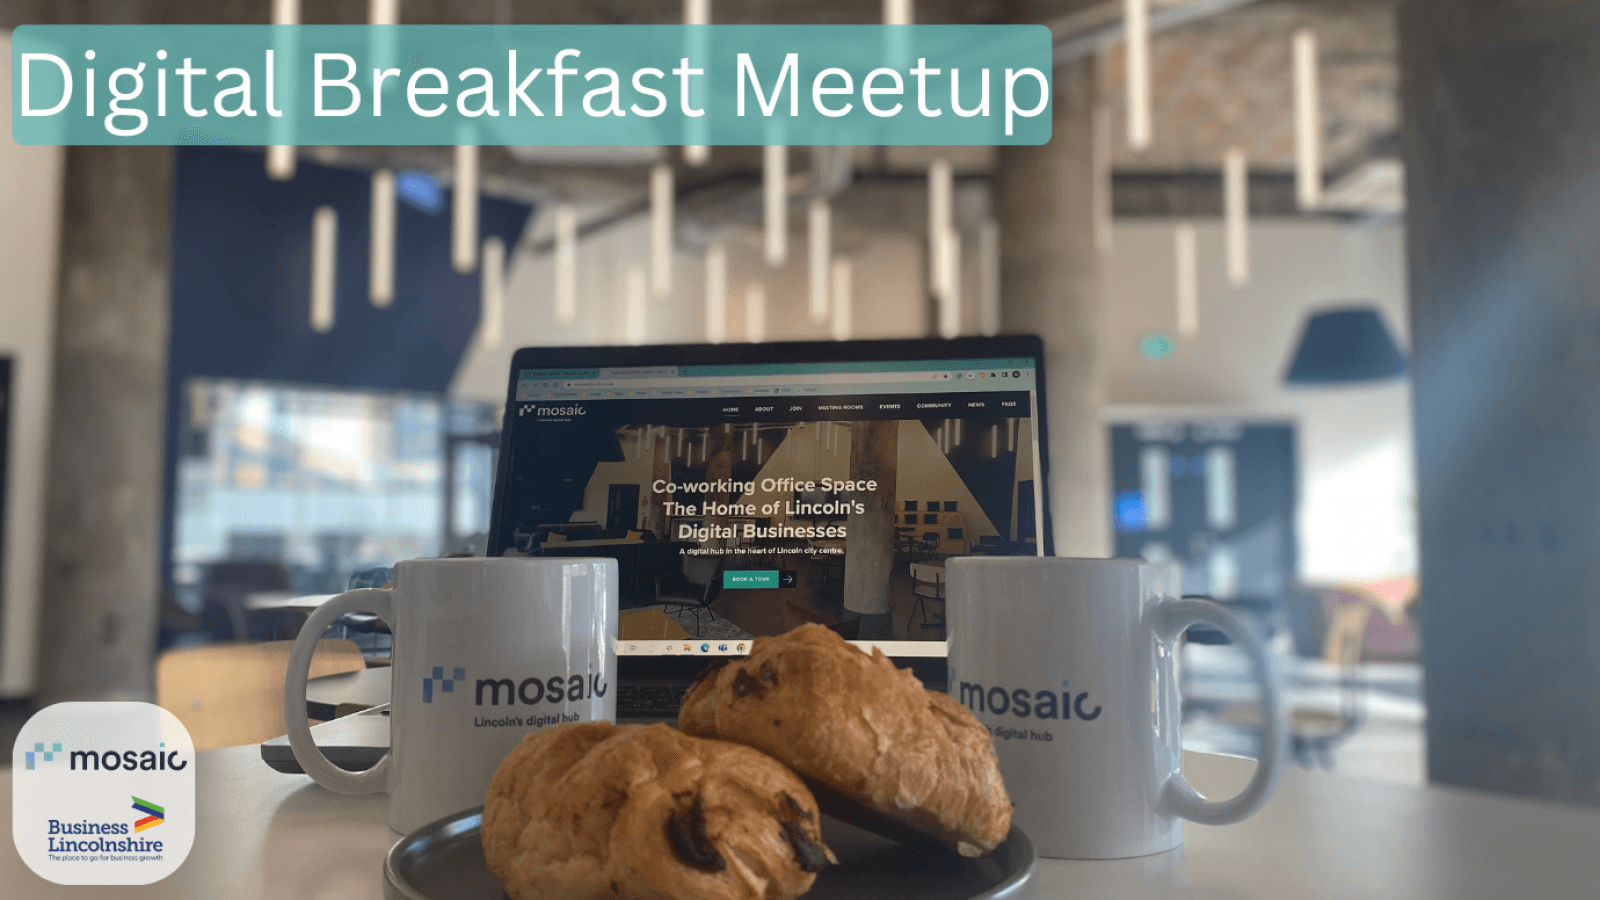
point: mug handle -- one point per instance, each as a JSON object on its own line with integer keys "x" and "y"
{"x": 1173, "y": 615}
{"x": 377, "y": 601}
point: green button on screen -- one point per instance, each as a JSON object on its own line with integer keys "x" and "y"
{"x": 763, "y": 578}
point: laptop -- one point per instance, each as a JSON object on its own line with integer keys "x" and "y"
{"x": 746, "y": 489}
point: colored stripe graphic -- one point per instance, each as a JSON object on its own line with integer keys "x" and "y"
{"x": 155, "y": 815}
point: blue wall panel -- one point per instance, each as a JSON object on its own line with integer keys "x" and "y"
{"x": 241, "y": 276}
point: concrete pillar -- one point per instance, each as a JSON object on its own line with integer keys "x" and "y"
{"x": 1503, "y": 191}
{"x": 1051, "y": 285}
{"x": 869, "y": 534}
{"x": 103, "y": 525}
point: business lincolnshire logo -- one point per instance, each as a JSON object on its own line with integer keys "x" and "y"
{"x": 448, "y": 685}
{"x": 39, "y": 754}
{"x": 153, "y": 815}
{"x": 82, "y": 809}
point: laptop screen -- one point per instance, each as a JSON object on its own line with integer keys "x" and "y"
{"x": 745, "y": 499}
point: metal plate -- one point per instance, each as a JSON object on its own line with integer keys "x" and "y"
{"x": 444, "y": 861}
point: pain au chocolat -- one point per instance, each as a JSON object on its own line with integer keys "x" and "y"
{"x": 594, "y": 810}
{"x": 875, "y": 746}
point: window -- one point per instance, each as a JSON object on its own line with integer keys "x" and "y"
{"x": 1155, "y": 484}
{"x": 323, "y": 482}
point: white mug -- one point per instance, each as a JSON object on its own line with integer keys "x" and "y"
{"x": 485, "y": 652}
{"x": 1071, "y": 665}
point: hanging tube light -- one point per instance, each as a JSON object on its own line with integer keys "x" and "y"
{"x": 492, "y": 292}
{"x": 324, "y": 260}
{"x": 566, "y": 263}
{"x": 818, "y": 222}
{"x": 841, "y": 298}
{"x": 697, "y": 12}
{"x": 380, "y": 276}
{"x": 661, "y": 213}
{"x": 1307, "y": 121}
{"x": 1187, "y": 262}
{"x": 775, "y": 203}
{"x": 941, "y": 218}
{"x": 281, "y": 158}
{"x": 755, "y": 312}
{"x": 1136, "y": 28}
{"x": 464, "y": 211}
{"x": 716, "y": 293}
{"x": 635, "y": 295}
{"x": 1236, "y": 215}
{"x": 950, "y": 298}
{"x": 989, "y": 277}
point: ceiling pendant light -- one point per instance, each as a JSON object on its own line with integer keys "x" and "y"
{"x": 1345, "y": 345}
{"x": 950, "y": 298}
{"x": 1186, "y": 261}
{"x": 897, "y": 12}
{"x": 819, "y": 240}
{"x": 566, "y": 263}
{"x": 1236, "y": 215}
{"x": 941, "y": 218}
{"x": 380, "y": 275}
{"x": 989, "y": 277}
{"x": 1136, "y": 59}
{"x": 775, "y": 203}
{"x": 281, "y": 157}
{"x": 661, "y": 213}
{"x": 840, "y": 290}
{"x": 716, "y": 293}
{"x": 492, "y": 292}
{"x": 755, "y": 312}
{"x": 1307, "y": 122}
{"x": 324, "y": 261}
{"x": 636, "y": 311}
{"x": 464, "y": 211}
{"x": 697, "y": 12}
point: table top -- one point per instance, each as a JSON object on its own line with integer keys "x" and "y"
{"x": 363, "y": 687}
{"x": 265, "y": 600}
{"x": 263, "y": 834}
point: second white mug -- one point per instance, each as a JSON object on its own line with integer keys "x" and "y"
{"x": 1071, "y": 664}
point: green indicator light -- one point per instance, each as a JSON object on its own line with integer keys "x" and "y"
{"x": 1156, "y": 346}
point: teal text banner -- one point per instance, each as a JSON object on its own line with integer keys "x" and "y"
{"x": 531, "y": 84}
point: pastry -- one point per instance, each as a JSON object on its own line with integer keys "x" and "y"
{"x": 595, "y": 810}
{"x": 875, "y": 746}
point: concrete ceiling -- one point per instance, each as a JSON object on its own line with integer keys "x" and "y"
{"x": 1219, "y": 81}
{"x": 1225, "y": 81}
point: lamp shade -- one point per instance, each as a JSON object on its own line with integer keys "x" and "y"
{"x": 1345, "y": 345}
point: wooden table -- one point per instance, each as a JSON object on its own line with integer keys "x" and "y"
{"x": 263, "y": 834}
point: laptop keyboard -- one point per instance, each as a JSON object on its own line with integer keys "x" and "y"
{"x": 656, "y": 701}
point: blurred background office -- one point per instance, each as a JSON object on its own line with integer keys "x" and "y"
{"x": 1333, "y": 360}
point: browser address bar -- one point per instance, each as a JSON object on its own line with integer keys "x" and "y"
{"x": 751, "y": 380}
